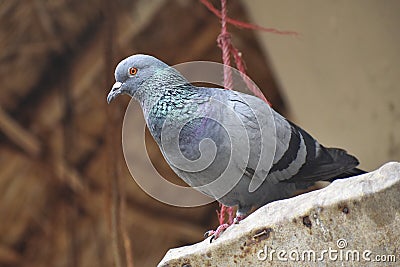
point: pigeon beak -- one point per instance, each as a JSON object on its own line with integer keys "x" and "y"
{"x": 115, "y": 91}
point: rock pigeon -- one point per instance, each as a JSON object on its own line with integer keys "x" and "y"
{"x": 234, "y": 130}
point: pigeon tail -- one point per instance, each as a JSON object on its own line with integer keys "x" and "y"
{"x": 340, "y": 155}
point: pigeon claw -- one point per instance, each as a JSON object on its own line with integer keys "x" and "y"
{"x": 215, "y": 234}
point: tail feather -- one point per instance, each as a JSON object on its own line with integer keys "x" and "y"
{"x": 347, "y": 174}
{"x": 340, "y": 155}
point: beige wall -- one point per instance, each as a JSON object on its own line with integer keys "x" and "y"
{"x": 341, "y": 77}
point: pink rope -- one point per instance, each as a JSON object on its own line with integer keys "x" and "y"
{"x": 241, "y": 67}
{"x": 241, "y": 24}
{"x": 225, "y": 43}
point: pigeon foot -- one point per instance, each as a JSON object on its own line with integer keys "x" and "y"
{"x": 216, "y": 233}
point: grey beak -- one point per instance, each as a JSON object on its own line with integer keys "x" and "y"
{"x": 115, "y": 91}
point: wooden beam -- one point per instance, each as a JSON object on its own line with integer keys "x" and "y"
{"x": 89, "y": 65}
{"x": 68, "y": 175}
{"x": 16, "y": 133}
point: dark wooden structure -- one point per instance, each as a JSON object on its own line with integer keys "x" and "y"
{"x": 60, "y": 203}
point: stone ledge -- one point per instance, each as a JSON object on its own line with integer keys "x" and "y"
{"x": 353, "y": 216}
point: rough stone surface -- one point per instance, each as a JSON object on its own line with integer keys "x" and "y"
{"x": 358, "y": 216}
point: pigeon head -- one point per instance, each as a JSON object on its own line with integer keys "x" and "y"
{"x": 132, "y": 72}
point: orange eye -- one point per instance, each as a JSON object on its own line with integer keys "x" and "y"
{"x": 133, "y": 71}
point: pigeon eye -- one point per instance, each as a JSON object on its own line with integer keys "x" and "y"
{"x": 133, "y": 71}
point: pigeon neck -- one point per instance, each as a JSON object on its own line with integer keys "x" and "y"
{"x": 161, "y": 83}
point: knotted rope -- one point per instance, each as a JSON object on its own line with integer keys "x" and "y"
{"x": 225, "y": 43}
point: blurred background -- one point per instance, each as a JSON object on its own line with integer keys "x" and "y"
{"x": 66, "y": 196}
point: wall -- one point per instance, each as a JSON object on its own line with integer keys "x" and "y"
{"x": 341, "y": 75}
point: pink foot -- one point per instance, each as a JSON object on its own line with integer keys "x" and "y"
{"x": 215, "y": 234}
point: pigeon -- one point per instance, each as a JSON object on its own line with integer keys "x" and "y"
{"x": 258, "y": 156}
